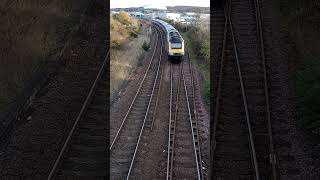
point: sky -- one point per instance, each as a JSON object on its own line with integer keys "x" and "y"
{"x": 157, "y": 3}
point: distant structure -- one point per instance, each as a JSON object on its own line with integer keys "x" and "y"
{"x": 182, "y": 14}
{"x": 136, "y": 14}
{"x": 130, "y": 9}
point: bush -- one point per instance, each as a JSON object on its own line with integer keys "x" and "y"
{"x": 124, "y": 18}
{"x": 146, "y": 46}
{"x": 115, "y": 44}
{"x": 132, "y": 34}
{"x": 206, "y": 91}
{"x": 137, "y": 29}
{"x": 205, "y": 50}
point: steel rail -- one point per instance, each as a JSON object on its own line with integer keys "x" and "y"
{"x": 193, "y": 133}
{"x": 170, "y": 115}
{"x": 155, "y": 108}
{"x": 195, "y": 112}
{"x": 171, "y": 146}
{"x": 146, "y": 114}
{"x": 266, "y": 91}
{"x": 252, "y": 146}
{"x": 217, "y": 107}
{"x": 83, "y": 109}
{"x": 133, "y": 101}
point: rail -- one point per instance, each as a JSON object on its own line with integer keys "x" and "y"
{"x": 252, "y": 146}
{"x": 142, "y": 81}
{"x": 80, "y": 115}
{"x": 147, "y": 111}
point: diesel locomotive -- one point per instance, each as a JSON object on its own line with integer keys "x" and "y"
{"x": 174, "y": 41}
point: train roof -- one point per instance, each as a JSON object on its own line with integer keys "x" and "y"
{"x": 171, "y": 31}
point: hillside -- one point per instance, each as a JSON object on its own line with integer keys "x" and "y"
{"x": 122, "y": 26}
{"x": 130, "y": 41}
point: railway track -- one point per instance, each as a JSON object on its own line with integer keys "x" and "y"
{"x": 184, "y": 152}
{"x": 83, "y": 153}
{"x": 125, "y": 143}
{"x": 242, "y": 135}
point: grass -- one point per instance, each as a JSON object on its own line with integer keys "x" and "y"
{"x": 125, "y": 59}
{"x": 30, "y": 32}
{"x": 197, "y": 39}
{"x": 206, "y": 91}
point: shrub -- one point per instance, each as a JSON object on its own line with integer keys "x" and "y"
{"x": 146, "y": 46}
{"x": 137, "y": 29}
{"x": 206, "y": 91}
{"x": 205, "y": 50}
{"x": 133, "y": 34}
{"x": 115, "y": 44}
{"x": 124, "y": 18}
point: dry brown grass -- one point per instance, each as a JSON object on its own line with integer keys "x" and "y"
{"x": 125, "y": 60}
{"x": 28, "y": 35}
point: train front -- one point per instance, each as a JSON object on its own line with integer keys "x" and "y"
{"x": 176, "y": 48}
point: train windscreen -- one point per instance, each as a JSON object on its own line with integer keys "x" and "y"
{"x": 176, "y": 45}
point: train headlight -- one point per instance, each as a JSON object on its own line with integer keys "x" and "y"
{"x": 170, "y": 53}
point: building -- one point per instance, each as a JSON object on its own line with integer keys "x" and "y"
{"x": 137, "y": 14}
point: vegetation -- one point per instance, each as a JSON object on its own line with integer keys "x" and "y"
{"x": 197, "y": 39}
{"x": 301, "y": 19}
{"x": 146, "y": 46}
{"x": 124, "y": 18}
{"x": 31, "y": 31}
{"x": 129, "y": 41}
{"x": 206, "y": 91}
{"x": 122, "y": 27}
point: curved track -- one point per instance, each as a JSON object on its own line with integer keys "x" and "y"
{"x": 242, "y": 134}
{"x": 125, "y": 144}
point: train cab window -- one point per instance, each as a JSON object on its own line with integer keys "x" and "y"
{"x": 176, "y": 42}
{"x": 176, "y": 45}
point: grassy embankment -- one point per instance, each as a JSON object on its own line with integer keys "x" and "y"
{"x": 128, "y": 37}
{"x": 197, "y": 38}
{"x": 31, "y": 31}
{"x": 301, "y": 18}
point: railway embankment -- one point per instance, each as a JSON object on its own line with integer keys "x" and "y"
{"x": 130, "y": 43}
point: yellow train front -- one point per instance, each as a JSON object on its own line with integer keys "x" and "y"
{"x": 175, "y": 47}
{"x": 174, "y": 41}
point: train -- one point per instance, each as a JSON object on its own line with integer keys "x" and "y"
{"x": 174, "y": 46}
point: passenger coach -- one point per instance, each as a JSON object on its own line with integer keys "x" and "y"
{"x": 175, "y": 42}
